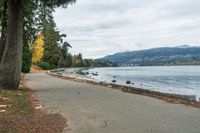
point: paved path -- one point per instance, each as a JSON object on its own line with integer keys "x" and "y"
{"x": 95, "y": 109}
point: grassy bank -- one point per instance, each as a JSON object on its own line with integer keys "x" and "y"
{"x": 15, "y": 102}
{"x": 18, "y": 114}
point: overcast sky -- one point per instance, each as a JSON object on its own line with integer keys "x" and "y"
{"x": 97, "y": 28}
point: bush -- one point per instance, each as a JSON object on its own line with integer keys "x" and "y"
{"x": 44, "y": 65}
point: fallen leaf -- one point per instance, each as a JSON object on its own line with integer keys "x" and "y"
{"x": 4, "y": 106}
{"x": 19, "y": 94}
{"x": 2, "y": 111}
{"x": 38, "y": 107}
{"x": 5, "y": 99}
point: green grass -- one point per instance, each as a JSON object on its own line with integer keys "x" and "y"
{"x": 19, "y": 101}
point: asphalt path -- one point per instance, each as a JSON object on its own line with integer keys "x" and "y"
{"x": 96, "y": 109}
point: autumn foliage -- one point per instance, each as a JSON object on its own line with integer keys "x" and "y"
{"x": 38, "y": 49}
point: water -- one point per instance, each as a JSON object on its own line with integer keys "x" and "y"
{"x": 171, "y": 79}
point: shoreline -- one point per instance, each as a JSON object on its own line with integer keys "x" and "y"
{"x": 188, "y": 100}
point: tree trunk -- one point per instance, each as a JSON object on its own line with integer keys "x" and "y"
{"x": 3, "y": 30}
{"x": 2, "y": 46}
{"x": 11, "y": 62}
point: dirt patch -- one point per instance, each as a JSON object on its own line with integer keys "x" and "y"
{"x": 37, "y": 123}
{"x": 36, "y": 69}
{"x": 20, "y": 114}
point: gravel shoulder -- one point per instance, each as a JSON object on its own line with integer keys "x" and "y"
{"x": 97, "y": 109}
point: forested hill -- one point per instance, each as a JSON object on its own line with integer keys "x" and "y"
{"x": 182, "y": 55}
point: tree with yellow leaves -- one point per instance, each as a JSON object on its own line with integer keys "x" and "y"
{"x": 38, "y": 49}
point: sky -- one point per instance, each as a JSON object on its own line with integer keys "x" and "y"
{"x": 97, "y": 28}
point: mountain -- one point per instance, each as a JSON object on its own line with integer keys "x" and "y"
{"x": 180, "y": 55}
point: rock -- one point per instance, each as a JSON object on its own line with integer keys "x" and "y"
{"x": 59, "y": 73}
{"x": 94, "y": 74}
{"x": 87, "y": 73}
{"x": 114, "y": 81}
{"x": 121, "y": 88}
{"x": 101, "y": 83}
{"x": 114, "y": 76}
{"x": 110, "y": 86}
{"x": 128, "y": 82}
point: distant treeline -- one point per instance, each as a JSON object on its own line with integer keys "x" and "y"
{"x": 75, "y": 61}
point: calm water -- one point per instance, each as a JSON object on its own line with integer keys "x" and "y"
{"x": 171, "y": 79}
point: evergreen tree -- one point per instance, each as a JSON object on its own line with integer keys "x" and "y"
{"x": 78, "y": 60}
{"x": 29, "y": 33}
{"x": 65, "y": 57}
{"x": 51, "y": 46}
{"x": 69, "y": 60}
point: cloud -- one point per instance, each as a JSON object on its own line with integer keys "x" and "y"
{"x": 98, "y": 28}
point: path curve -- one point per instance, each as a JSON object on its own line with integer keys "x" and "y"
{"x": 96, "y": 109}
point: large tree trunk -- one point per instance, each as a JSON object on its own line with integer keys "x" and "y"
{"x": 3, "y": 29}
{"x": 11, "y": 62}
{"x": 2, "y": 45}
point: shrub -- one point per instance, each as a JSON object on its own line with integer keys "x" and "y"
{"x": 44, "y": 65}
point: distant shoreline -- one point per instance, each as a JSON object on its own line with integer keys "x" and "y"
{"x": 188, "y": 100}
{"x": 161, "y": 65}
